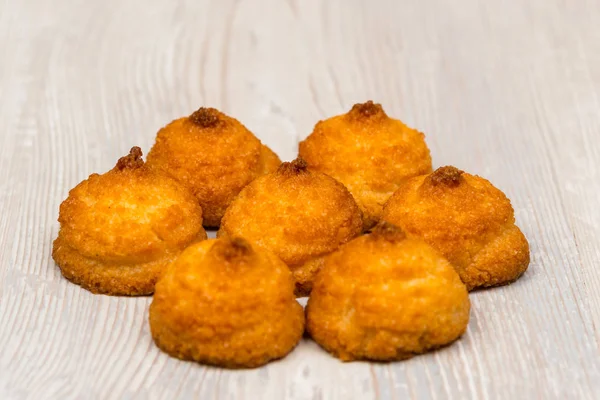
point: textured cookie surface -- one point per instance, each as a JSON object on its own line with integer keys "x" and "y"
{"x": 225, "y": 303}
{"x": 385, "y": 297}
{"x": 370, "y": 153}
{"x": 298, "y": 214}
{"x": 120, "y": 229}
{"x": 468, "y": 220}
{"x": 214, "y": 155}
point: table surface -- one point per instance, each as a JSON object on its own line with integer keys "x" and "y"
{"x": 509, "y": 90}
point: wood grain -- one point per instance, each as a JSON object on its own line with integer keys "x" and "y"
{"x": 509, "y": 90}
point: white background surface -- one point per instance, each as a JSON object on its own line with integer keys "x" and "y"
{"x": 509, "y": 90}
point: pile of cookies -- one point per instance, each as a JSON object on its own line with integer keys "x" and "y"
{"x": 385, "y": 248}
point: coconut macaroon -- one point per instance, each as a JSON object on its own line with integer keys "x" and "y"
{"x": 214, "y": 155}
{"x": 225, "y": 303}
{"x": 119, "y": 230}
{"x": 298, "y": 214}
{"x": 385, "y": 297}
{"x": 468, "y": 220}
{"x": 369, "y": 152}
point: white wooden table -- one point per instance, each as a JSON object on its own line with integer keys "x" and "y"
{"x": 507, "y": 89}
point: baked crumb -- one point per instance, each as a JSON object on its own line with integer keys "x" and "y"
{"x": 449, "y": 176}
{"x": 296, "y": 167}
{"x": 235, "y": 248}
{"x": 205, "y": 117}
{"x": 368, "y": 110}
{"x": 132, "y": 160}
{"x": 388, "y": 231}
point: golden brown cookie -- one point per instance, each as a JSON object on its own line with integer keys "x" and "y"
{"x": 298, "y": 214}
{"x": 468, "y": 220}
{"x": 369, "y": 152}
{"x": 385, "y": 297}
{"x": 214, "y": 155}
{"x": 225, "y": 303}
{"x": 119, "y": 230}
